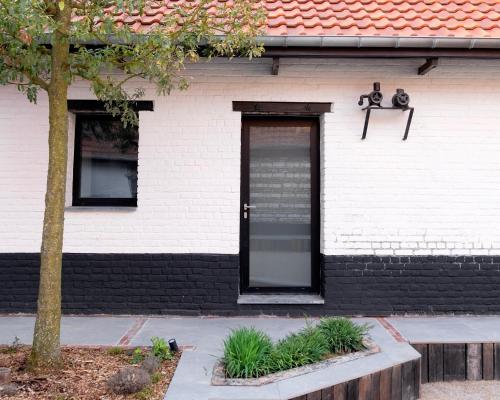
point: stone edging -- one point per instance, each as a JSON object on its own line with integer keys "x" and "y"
{"x": 219, "y": 377}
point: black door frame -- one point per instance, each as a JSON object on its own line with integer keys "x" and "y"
{"x": 313, "y": 122}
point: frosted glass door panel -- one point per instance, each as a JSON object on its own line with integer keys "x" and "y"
{"x": 280, "y": 201}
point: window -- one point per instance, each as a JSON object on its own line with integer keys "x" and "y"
{"x": 105, "y": 166}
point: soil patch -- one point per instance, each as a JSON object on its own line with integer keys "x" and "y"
{"x": 82, "y": 377}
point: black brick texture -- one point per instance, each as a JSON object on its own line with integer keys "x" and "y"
{"x": 126, "y": 283}
{"x": 369, "y": 285}
{"x": 204, "y": 284}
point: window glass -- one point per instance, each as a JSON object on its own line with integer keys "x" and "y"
{"x": 107, "y": 160}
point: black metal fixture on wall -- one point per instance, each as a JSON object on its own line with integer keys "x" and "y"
{"x": 400, "y": 101}
{"x": 172, "y": 344}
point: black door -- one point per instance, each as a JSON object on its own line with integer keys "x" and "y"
{"x": 279, "y": 246}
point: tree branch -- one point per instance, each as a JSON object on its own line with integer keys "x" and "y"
{"x": 33, "y": 78}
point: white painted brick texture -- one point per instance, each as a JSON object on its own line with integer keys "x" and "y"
{"x": 436, "y": 194}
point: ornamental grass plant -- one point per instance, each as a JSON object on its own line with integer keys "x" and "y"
{"x": 342, "y": 335}
{"x": 246, "y": 352}
{"x": 297, "y": 349}
{"x": 250, "y": 353}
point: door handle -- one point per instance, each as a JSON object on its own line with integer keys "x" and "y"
{"x": 246, "y": 207}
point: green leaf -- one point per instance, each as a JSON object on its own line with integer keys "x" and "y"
{"x": 187, "y": 33}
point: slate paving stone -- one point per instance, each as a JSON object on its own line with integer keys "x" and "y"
{"x": 106, "y": 331}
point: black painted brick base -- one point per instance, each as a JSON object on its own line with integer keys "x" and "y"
{"x": 371, "y": 285}
{"x": 208, "y": 284}
{"x": 127, "y": 283}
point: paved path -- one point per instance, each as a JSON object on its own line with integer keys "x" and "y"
{"x": 202, "y": 339}
{"x": 459, "y": 329}
{"x": 137, "y": 331}
{"x": 203, "y": 336}
{"x": 106, "y": 331}
{"x": 191, "y": 331}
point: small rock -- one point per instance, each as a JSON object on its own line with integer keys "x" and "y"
{"x": 151, "y": 364}
{"x": 9, "y": 389}
{"x": 4, "y": 375}
{"x": 129, "y": 380}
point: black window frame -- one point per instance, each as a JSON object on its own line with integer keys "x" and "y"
{"x": 78, "y": 200}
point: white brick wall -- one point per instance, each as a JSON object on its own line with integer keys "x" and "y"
{"x": 438, "y": 193}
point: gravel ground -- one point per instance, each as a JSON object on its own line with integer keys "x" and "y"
{"x": 481, "y": 390}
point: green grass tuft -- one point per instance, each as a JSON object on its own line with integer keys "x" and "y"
{"x": 246, "y": 351}
{"x": 305, "y": 347}
{"x": 137, "y": 356}
{"x": 156, "y": 377}
{"x": 13, "y": 347}
{"x": 115, "y": 351}
{"x": 144, "y": 394}
{"x": 249, "y": 353}
{"x": 160, "y": 349}
{"x": 342, "y": 334}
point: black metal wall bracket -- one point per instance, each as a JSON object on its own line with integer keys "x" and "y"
{"x": 370, "y": 108}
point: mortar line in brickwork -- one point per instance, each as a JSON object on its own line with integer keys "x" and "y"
{"x": 127, "y": 338}
{"x": 391, "y": 330}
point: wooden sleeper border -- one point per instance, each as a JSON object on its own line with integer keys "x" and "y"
{"x": 442, "y": 362}
{"x": 400, "y": 382}
{"x": 439, "y": 362}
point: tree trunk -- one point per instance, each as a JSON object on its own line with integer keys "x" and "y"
{"x": 46, "y": 352}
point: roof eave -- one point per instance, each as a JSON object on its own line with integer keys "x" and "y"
{"x": 380, "y": 41}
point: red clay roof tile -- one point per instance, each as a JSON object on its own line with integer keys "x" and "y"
{"x": 435, "y": 18}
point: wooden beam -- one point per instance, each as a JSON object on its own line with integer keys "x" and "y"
{"x": 98, "y": 106}
{"x": 497, "y": 361}
{"x": 454, "y": 362}
{"x": 435, "y": 354}
{"x": 488, "y": 362}
{"x": 424, "y": 363}
{"x": 276, "y": 66}
{"x": 397, "y": 385}
{"x": 474, "y": 362}
{"x": 386, "y": 384}
{"x": 270, "y": 107}
{"x": 429, "y": 65}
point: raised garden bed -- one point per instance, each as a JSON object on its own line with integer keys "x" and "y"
{"x": 219, "y": 377}
{"x": 252, "y": 359}
{"x": 83, "y": 376}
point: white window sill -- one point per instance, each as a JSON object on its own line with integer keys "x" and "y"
{"x": 281, "y": 299}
